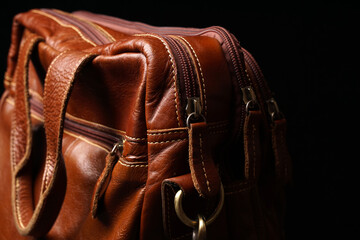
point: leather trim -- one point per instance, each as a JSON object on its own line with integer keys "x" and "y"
{"x": 108, "y": 35}
{"x": 200, "y": 77}
{"x": 65, "y": 25}
{"x": 204, "y": 173}
{"x": 252, "y": 144}
{"x": 173, "y": 73}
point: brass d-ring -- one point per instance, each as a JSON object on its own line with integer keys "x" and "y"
{"x": 190, "y": 222}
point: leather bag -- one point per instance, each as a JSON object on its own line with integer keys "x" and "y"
{"x": 111, "y": 129}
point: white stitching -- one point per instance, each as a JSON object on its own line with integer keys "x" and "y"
{"x": 203, "y": 164}
{"x": 134, "y": 138}
{"x": 73, "y": 75}
{"x": 173, "y": 70}
{"x": 65, "y": 25}
{"x": 164, "y": 133}
{"x": 25, "y": 76}
{"x": 175, "y": 140}
{"x": 132, "y": 165}
{"x": 201, "y": 73}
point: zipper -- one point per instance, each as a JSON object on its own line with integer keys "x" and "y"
{"x": 187, "y": 77}
{"x": 86, "y": 28}
{"x": 232, "y": 47}
{"x": 102, "y": 138}
{"x": 229, "y": 40}
{"x": 188, "y": 80}
{"x": 187, "y": 70}
{"x": 266, "y": 99}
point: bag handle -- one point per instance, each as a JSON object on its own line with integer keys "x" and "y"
{"x": 29, "y": 220}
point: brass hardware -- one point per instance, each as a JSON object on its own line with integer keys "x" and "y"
{"x": 193, "y": 110}
{"x": 195, "y": 223}
{"x": 199, "y": 233}
{"x": 273, "y": 109}
{"x": 249, "y": 98}
{"x": 193, "y": 105}
{"x": 119, "y": 146}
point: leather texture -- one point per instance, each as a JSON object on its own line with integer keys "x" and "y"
{"x": 79, "y": 84}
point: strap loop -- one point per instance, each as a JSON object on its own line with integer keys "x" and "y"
{"x": 194, "y": 223}
{"x": 58, "y": 85}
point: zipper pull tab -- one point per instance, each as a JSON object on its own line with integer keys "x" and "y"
{"x": 118, "y": 147}
{"x": 249, "y": 98}
{"x": 194, "y": 111}
{"x": 252, "y": 134}
{"x": 105, "y": 177}
{"x": 204, "y": 172}
{"x": 273, "y": 110}
{"x": 283, "y": 163}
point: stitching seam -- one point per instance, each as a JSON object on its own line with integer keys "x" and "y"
{"x": 134, "y": 138}
{"x": 173, "y": 72}
{"x": 25, "y": 76}
{"x": 73, "y": 74}
{"x": 175, "y": 140}
{"x": 108, "y": 35}
{"x": 203, "y": 164}
{"x": 65, "y": 25}
{"x": 49, "y": 70}
{"x": 201, "y": 73}
{"x": 165, "y": 133}
{"x": 132, "y": 165}
{"x": 85, "y": 140}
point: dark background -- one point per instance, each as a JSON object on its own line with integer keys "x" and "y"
{"x": 308, "y": 54}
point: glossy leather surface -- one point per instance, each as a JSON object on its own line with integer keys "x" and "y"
{"x": 129, "y": 86}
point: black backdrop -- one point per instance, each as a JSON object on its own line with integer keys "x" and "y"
{"x": 307, "y": 53}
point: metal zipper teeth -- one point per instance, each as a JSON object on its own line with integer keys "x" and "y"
{"x": 260, "y": 79}
{"x": 87, "y": 29}
{"x": 187, "y": 75}
{"x": 105, "y": 138}
{"x": 235, "y": 54}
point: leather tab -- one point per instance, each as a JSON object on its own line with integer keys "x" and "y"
{"x": 204, "y": 173}
{"x": 283, "y": 166}
{"x": 252, "y": 144}
{"x": 103, "y": 182}
{"x": 29, "y": 219}
{"x": 173, "y": 227}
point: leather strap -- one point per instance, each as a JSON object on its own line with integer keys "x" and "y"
{"x": 58, "y": 85}
{"x": 204, "y": 173}
{"x": 252, "y": 144}
{"x": 103, "y": 183}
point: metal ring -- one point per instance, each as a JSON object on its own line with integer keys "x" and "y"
{"x": 192, "y": 223}
{"x": 199, "y": 233}
{"x": 117, "y": 146}
{"x": 250, "y": 105}
{"x": 194, "y": 114}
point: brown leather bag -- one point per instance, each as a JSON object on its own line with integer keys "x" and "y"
{"x": 112, "y": 129}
